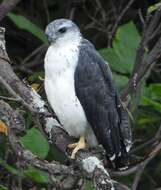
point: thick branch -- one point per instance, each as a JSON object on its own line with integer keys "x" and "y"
{"x": 16, "y": 125}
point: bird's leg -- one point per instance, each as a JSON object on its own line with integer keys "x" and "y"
{"x": 77, "y": 146}
{"x": 72, "y": 146}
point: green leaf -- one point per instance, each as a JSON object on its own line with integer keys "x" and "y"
{"x": 3, "y": 187}
{"x": 111, "y": 57}
{"x": 9, "y": 168}
{"x": 120, "y": 80}
{"x": 149, "y": 102}
{"x": 153, "y": 7}
{"x": 146, "y": 120}
{"x": 122, "y": 56}
{"x": 35, "y": 142}
{"x": 23, "y": 23}
{"x": 37, "y": 175}
{"x": 36, "y": 76}
{"x": 89, "y": 185}
{"x": 155, "y": 89}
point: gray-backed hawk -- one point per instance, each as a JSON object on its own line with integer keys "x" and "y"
{"x": 80, "y": 89}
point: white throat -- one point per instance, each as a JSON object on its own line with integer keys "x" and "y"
{"x": 61, "y": 58}
{"x": 60, "y": 63}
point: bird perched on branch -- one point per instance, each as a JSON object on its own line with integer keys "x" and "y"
{"x": 80, "y": 89}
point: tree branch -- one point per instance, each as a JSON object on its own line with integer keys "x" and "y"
{"x": 142, "y": 165}
{"x": 144, "y": 64}
{"x": 111, "y": 34}
{"x": 6, "y": 6}
{"x": 16, "y": 126}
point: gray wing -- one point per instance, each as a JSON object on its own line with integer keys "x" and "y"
{"x": 95, "y": 90}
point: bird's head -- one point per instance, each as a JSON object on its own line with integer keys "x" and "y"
{"x": 62, "y": 30}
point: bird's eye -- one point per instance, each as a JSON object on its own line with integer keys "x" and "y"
{"x": 62, "y": 30}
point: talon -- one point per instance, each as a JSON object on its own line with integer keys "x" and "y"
{"x": 72, "y": 146}
{"x": 77, "y": 146}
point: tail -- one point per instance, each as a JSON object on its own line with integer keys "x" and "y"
{"x": 122, "y": 161}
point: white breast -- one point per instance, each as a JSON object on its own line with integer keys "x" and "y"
{"x": 60, "y": 64}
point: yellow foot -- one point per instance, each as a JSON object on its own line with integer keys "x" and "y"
{"x": 72, "y": 146}
{"x": 77, "y": 146}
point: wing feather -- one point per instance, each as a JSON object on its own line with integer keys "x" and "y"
{"x": 95, "y": 90}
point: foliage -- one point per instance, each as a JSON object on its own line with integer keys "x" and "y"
{"x": 9, "y": 168}
{"x": 35, "y": 142}
{"x": 153, "y": 7}
{"x": 151, "y": 96}
{"x": 89, "y": 185}
{"x": 37, "y": 175}
{"x": 2, "y": 187}
{"x": 121, "y": 56}
{"x": 121, "y": 80}
{"x": 23, "y": 23}
{"x": 150, "y": 99}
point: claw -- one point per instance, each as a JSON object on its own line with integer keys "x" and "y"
{"x": 77, "y": 146}
{"x": 72, "y": 146}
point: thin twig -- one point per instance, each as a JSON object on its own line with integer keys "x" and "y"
{"x": 9, "y": 98}
{"x": 43, "y": 47}
{"x": 143, "y": 145}
{"x": 141, "y": 16}
{"x": 12, "y": 92}
{"x": 101, "y": 9}
{"x": 72, "y": 13}
{"x": 158, "y": 134}
{"x": 142, "y": 166}
{"x": 119, "y": 18}
{"x": 46, "y": 11}
{"x": 7, "y": 6}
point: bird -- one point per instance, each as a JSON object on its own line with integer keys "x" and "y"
{"x": 81, "y": 91}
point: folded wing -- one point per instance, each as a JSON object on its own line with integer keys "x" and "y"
{"x": 96, "y": 92}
